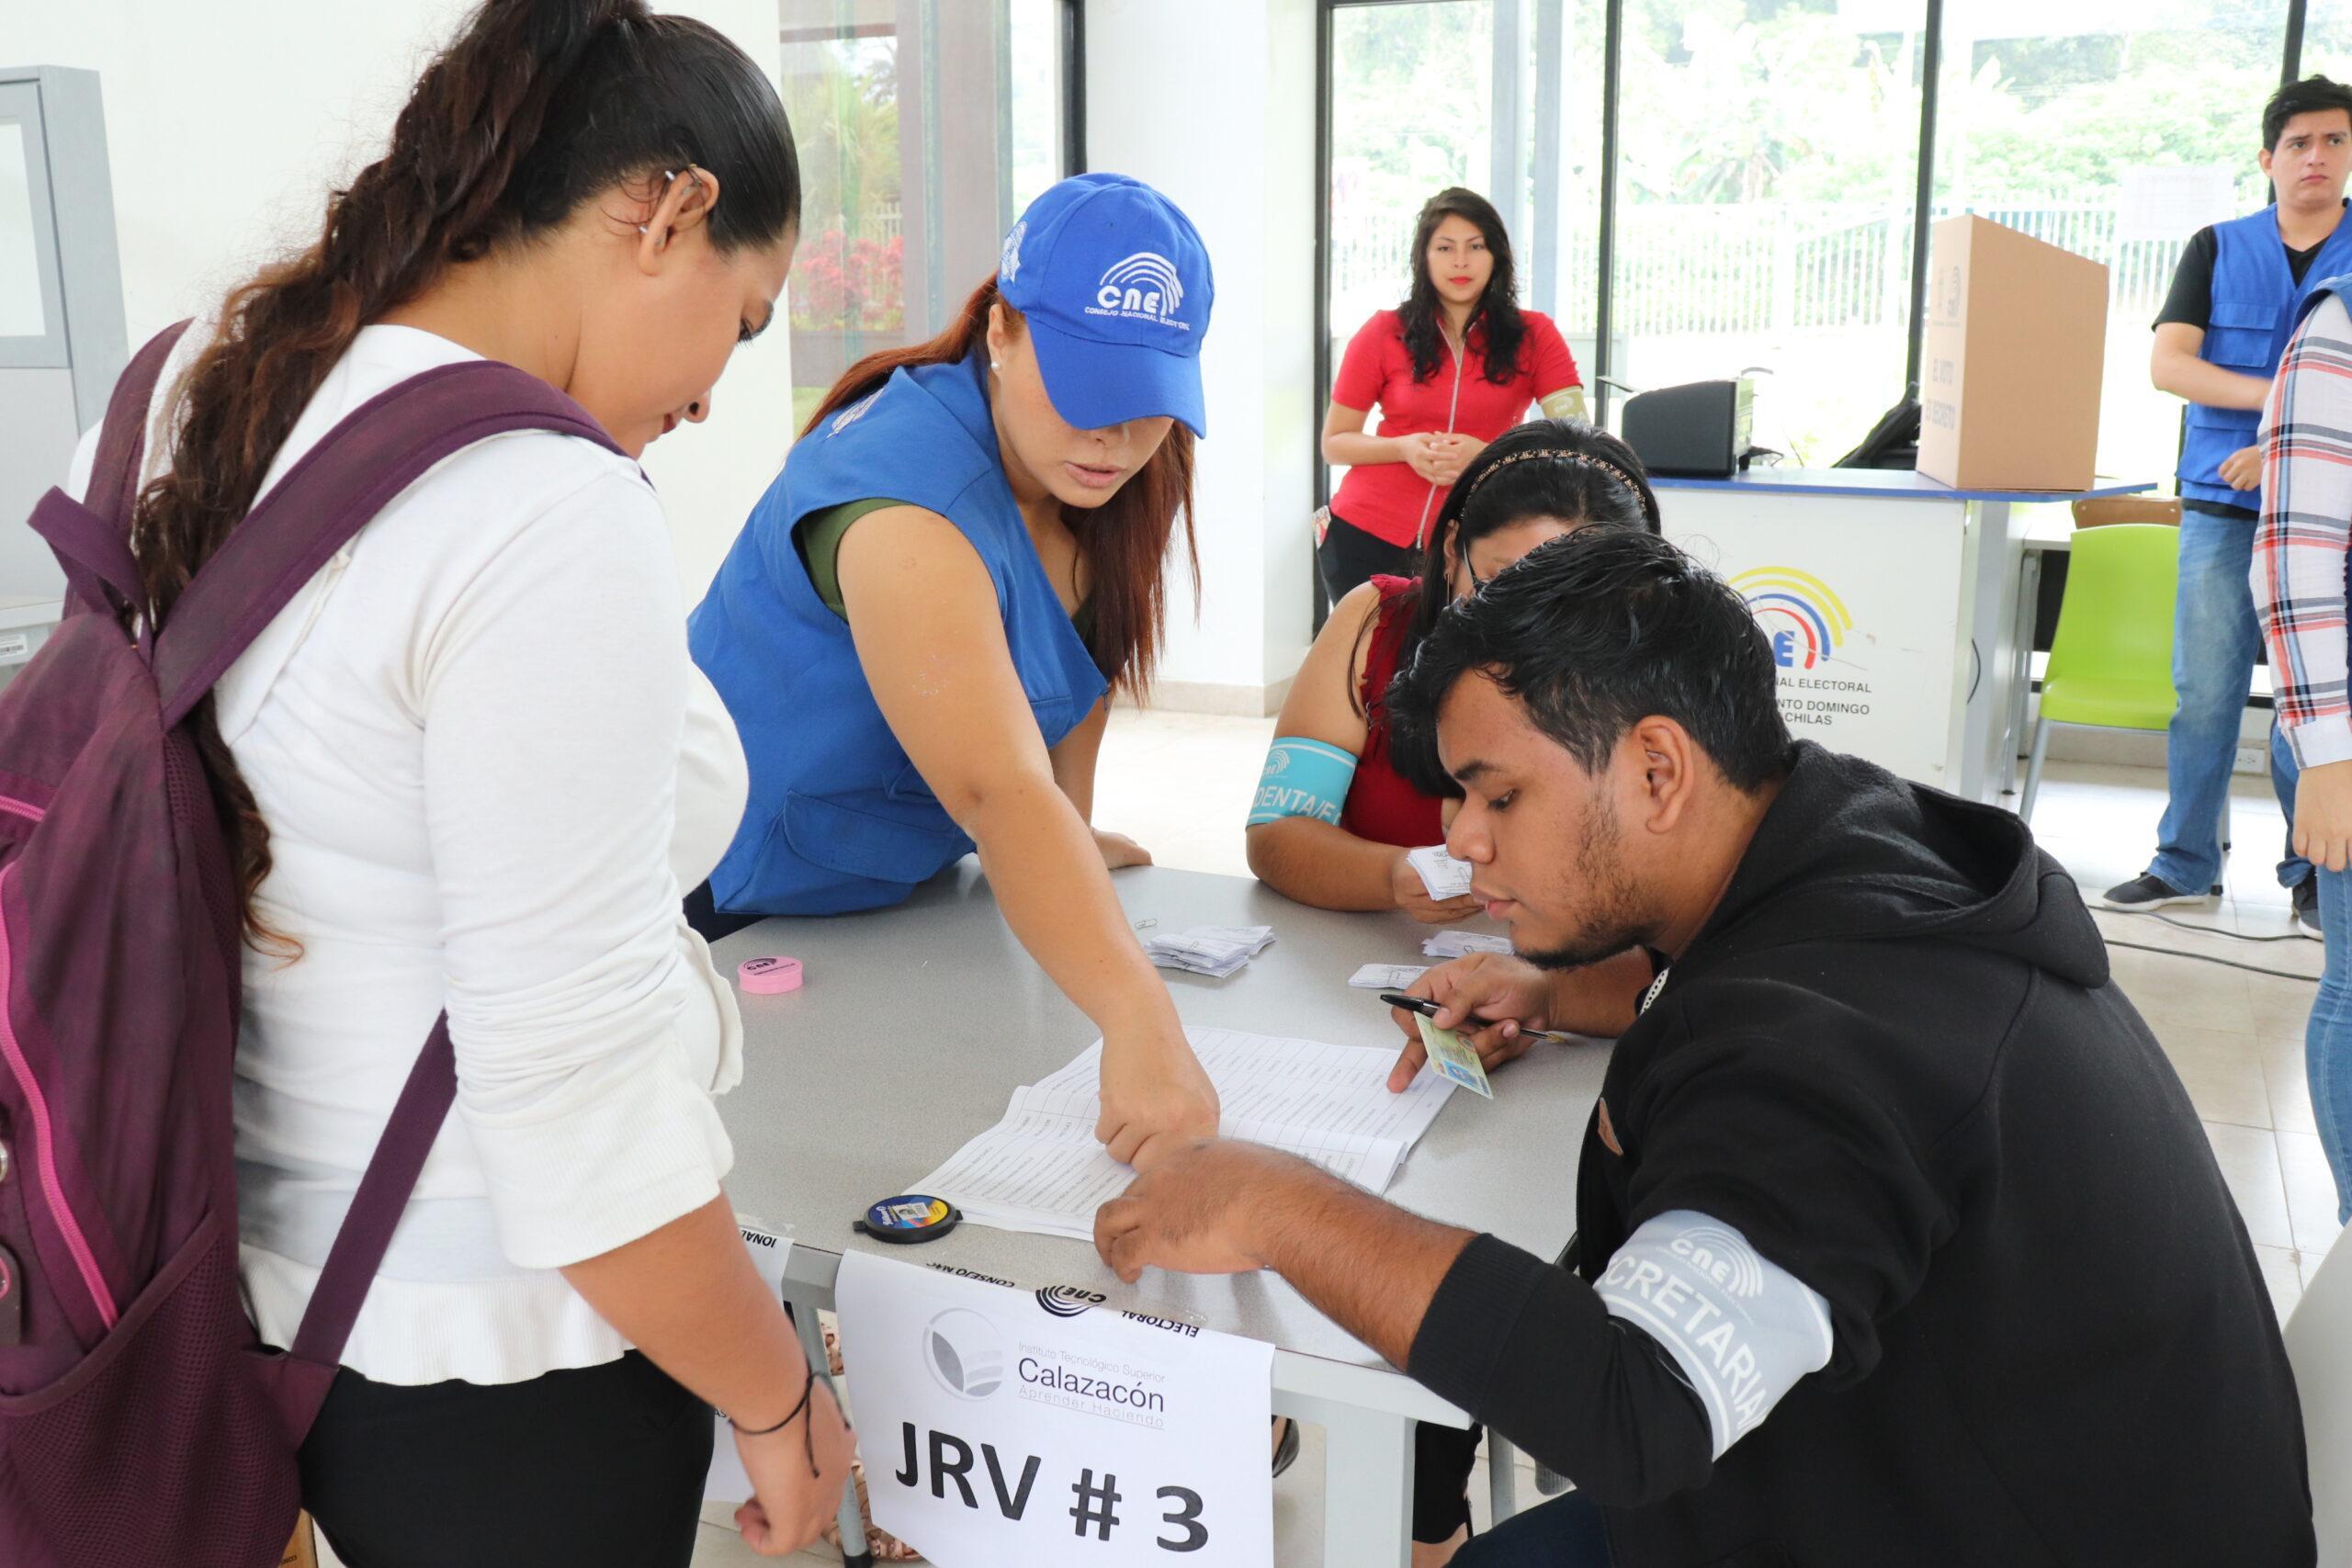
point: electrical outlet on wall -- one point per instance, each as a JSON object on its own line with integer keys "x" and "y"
{"x": 2252, "y": 760}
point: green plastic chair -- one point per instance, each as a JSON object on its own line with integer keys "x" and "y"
{"x": 2110, "y": 662}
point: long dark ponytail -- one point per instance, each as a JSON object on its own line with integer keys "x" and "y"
{"x": 1498, "y": 308}
{"x": 533, "y": 108}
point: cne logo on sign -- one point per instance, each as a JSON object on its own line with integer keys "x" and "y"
{"x": 1801, "y": 614}
{"x": 965, "y": 1353}
{"x": 1069, "y": 1300}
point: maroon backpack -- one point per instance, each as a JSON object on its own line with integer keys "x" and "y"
{"x": 141, "y": 1422}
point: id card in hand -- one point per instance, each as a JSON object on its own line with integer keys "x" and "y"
{"x": 1452, "y": 1058}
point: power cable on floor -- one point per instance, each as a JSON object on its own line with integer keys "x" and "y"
{"x": 2192, "y": 926}
{"x": 2209, "y": 958}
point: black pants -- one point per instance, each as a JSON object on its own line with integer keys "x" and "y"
{"x": 1442, "y": 1459}
{"x": 1566, "y": 1532}
{"x": 709, "y": 922}
{"x": 598, "y": 1468}
{"x": 1349, "y": 558}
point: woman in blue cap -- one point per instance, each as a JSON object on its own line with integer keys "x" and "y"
{"x": 918, "y": 627}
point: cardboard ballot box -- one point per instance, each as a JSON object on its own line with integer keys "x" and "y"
{"x": 2016, "y": 336}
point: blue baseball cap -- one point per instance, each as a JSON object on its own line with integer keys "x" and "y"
{"x": 1116, "y": 285}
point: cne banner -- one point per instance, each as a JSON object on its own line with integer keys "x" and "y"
{"x": 1003, "y": 1427}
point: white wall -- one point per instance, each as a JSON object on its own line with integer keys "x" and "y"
{"x": 228, "y": 119}
{"x": 1214, "y": 102}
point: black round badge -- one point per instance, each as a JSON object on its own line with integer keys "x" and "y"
{"x": 909, "y": 1218}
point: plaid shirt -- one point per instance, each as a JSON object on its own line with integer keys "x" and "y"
{"x": 2300, "y": 547}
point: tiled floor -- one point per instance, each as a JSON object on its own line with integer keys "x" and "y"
{"x": 1180, "y": 784}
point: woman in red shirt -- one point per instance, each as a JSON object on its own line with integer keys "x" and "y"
{"x": 1450, "y": 370}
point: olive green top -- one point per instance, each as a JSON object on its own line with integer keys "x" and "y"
{"x": 818, "y": 539}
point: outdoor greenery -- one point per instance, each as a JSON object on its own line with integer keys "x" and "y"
{"x": 843, "y": 100}
{"x": 844, "y": 90}
{"x": 1769, "y": 170}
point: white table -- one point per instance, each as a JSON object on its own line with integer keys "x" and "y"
{"x": 1895, "y": 605}
{"x": 916, "y": 1025}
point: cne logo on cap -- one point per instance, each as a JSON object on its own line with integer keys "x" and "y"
{"x": 1143, "y": 287}
{"x": 1008, "y": 260}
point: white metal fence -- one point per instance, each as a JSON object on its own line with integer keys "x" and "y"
{"x": 1756, "y": 266}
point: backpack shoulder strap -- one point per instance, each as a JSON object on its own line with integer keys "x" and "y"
{"x": 92, "y": 538}
{"x": 334, "y": 490}
{"x": 376, "y": 1206}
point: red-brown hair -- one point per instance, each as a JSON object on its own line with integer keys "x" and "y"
{"x": 1124, "y": 542}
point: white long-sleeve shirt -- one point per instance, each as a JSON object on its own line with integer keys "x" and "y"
{"x": 489, "y": 767}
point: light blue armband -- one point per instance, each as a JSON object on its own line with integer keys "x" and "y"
{"x": 1302, "y": 778}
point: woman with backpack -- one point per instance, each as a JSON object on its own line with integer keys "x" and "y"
{"x": 470, "y": 767}
{"x": 1453, "y": 367}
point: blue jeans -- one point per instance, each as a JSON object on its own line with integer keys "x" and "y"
{"x": 1566, "y": 1532}
{"x": 2215, "y": 641}
{"x": 2327, "y": 1038}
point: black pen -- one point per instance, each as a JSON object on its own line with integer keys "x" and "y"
{"x": 1430, "y": 1010}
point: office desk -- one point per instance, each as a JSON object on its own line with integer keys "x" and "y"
{"x": 916, "y": 1025}
{"x": 1892, "y": 603}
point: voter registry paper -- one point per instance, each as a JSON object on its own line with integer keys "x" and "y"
{"x": 1042, "y": 1169}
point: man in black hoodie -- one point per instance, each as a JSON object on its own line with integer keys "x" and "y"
{"x": 1899, "y": 1242}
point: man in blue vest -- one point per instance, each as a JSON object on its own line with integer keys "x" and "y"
{"x": 2234, "y": 298}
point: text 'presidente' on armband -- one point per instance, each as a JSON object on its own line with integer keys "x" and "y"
{"x": 1302, "y": 778}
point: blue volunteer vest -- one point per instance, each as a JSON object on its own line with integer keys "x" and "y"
{"x": 838, "y": 818}
{"x": 2256, "y": 305}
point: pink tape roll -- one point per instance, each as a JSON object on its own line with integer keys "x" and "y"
{"x": 769, "y": 977}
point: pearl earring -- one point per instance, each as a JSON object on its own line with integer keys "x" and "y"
{"x": 667, "y": 175}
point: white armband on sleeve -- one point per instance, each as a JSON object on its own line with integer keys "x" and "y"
{"x": 1742, "y": 1328}
{"x": 1565, "y": 403}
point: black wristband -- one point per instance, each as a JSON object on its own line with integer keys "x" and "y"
{"x": 807, "y": 1392}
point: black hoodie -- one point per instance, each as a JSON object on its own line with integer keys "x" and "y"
{"x": 1894, "y": 1061}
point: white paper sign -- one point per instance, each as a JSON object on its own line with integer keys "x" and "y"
{"x": 728, "y": 1482}
{"x": 2172, "y": 203}
{"x": 1003, "y": 1427}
